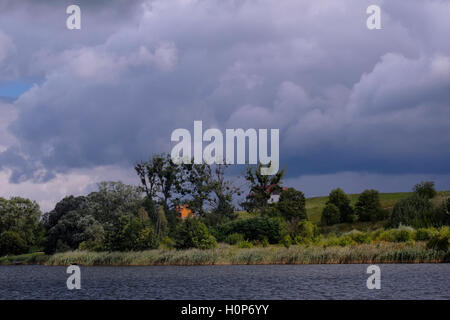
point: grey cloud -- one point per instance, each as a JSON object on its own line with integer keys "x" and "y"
{"x": 345, "y": 98}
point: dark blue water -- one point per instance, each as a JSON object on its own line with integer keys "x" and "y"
{"x": 398, "y": 281}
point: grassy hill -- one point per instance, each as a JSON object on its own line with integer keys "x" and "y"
{"x": 314, "y": 206}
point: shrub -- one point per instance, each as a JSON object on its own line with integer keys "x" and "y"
{"x": 306, "y": 232}
{"x": 368, "y": 206}
{"x": 415, "y": 211}
{"x": 286, "y": 241}
{"x": 167, "y": 243}
{"x": 147, "y": 239}
{"x": 401, "y": 234}
{"x": 439, "y": 242}
{"x": 253, "y": 229}
{"x": 340, "y": 200}
{"x": 244, "y": 244}
{"x": 425, "y": 189}
{"x": 442, "y": 214}
{"x": 425, "y": 234}
{"x": 234, "y": 238}
{"x": 358, "y": 236}
{"x": 192, "y": 233}
{"x": 330, "y": 215}
{"x": 12, "y": 243}
{"x": 292, "y": 204}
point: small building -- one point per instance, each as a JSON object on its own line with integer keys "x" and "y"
{"x": 275, "y": 195}
{"x": 274, "y": 191}
{"x": 184, "y": 212}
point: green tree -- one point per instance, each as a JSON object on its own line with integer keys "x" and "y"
{"x": 292, "y": 204}
{"x": 197, "y": 185}
{"x": 341, "y": 200}
{"x": 161, "y": 180}
{"x": 71, "y": 230}
{"x": 12, "y": 243}
{"x": 261, "y": 188}
{"x": 113, "y": 199}
{"x": 222, "y": 196}
{"x": 415, "y": 211}
{"x": 368, "y": 207}
{"x": 22, "y": 216}
{"x": 130, "y": 233}
{"x": 330, "y": 215}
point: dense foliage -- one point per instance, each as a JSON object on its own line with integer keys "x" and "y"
{"x": 342, "y": 202}
{"x": 292, "y": 204}
{"x": 368, "y": 207}
{"x": 20, "y": 228}
{"x": 192, "y": 233}
{"x": 330, "y": 215}
{"x": 258, "y": 228}
{"x": 418, "y": 210}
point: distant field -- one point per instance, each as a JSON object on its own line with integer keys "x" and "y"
{"x": 314, "y": 206}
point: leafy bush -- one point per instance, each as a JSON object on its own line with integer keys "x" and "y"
{"x": 440, "y": 242}
{"x": 253, "y": 229}
{"x": 234, "y": 238}
{"x": 244, "y": 244}
{"x": 368, "y": 206}
{"x": 306, "y": 232}
{"x": 425, "y": 234}
{"x": 265, "y": 242}
{"x": 401, "y": 234}
{"x": 147, "y": 239}
{"x": 307, "y": 229}
{"x": 192, "y": 233}
{"x": 358, "y": 236}
{"x": 286, "y": 241}
{"x": 340, "y": 200}
{"x": 330, "y": 215}
{"x": 167, "y": 243}
{"x": 425, "y": 189}
{"x": 12, "y": 243}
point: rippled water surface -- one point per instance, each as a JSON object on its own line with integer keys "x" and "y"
{"x": 399, "y": 281}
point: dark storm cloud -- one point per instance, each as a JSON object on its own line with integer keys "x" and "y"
{"x": 345, "y": 98}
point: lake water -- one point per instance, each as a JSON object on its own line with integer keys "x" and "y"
{"x": 398, "y": 281}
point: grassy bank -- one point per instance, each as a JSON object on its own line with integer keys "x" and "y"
{"x": 231, "y": 255}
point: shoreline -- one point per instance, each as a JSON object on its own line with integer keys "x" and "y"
{"x": 379, "y": 253}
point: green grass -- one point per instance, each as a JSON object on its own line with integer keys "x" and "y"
{"x": 383, "y": 252}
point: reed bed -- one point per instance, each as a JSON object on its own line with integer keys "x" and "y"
{"x": 231, "y": 255}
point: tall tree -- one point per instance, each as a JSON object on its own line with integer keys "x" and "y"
{"x": 261, "y": 187}
{"x": 160, "y": 179}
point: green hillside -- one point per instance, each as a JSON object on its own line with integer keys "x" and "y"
{"x": 314, "y": 206}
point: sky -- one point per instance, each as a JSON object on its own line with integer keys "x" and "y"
{"x": 356, "y": 108}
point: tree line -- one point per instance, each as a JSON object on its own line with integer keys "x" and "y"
{"x": 120, "y": 217}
